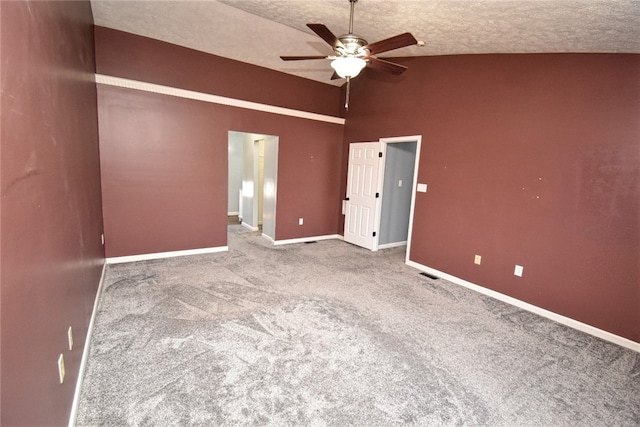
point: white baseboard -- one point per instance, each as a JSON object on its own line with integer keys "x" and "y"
{"x": 158, "y": 255}
{"x": 233, "y": 213}
{"x": 250, "y": 227}
{"x": 85, "y": 352}
{"x": 567, "y": 321}
{"x": 392, "y": 245}
{"x": 307, "y": 239}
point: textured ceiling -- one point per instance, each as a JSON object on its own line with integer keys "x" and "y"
{"x": 258, "y": 31}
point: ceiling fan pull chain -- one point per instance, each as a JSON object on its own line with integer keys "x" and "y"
{"x": 346, "y": 101}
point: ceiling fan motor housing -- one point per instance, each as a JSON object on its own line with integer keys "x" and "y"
{"x": 353, "y": 46}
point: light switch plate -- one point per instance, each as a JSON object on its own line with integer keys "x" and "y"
{"x": 422, "y": 188}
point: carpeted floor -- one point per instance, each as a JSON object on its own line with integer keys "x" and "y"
{"x": 328, "y": 334}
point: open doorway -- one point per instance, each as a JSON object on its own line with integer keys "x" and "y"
{"x": 397, "y": 184}
{"x": 381, "y": 185}
{"x": 400, "y": 163}
{"x": 253, "y": 172}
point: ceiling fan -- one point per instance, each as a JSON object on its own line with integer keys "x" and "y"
{"x": 352, "y": 53}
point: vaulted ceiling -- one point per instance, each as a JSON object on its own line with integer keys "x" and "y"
{"x": 259, "y": 31}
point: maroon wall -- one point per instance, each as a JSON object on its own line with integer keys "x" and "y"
{"x": 164, "y": 159}
{"x": 139, "y": 58}
{"x": 50, "y": 207}
{"x": 531, "y": 160}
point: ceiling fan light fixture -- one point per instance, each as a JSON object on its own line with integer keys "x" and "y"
{"x": 348, "y": 66}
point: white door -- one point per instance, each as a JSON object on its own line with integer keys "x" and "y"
{"x": 362, "y": 194}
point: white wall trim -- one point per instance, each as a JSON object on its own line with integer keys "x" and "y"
{"x": 567, "y": 321}
{"x": 392, "y": 245}
{"x": 85, "y": 351}
{"x": 158, "y": 255}
{"x": 213, "y": 99}
{"x": 307, "y": 239}
{"x": 232, "y": 213}
{"x": 249, "y": 226}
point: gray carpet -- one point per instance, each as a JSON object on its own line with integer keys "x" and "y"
{"x": 328, "y": 334}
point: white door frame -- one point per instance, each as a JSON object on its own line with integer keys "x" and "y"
{"x": 394, "y": 140}
{"x": 269, "y": 185}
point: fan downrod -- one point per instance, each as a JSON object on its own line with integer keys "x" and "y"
{"x": 353, "y": 4}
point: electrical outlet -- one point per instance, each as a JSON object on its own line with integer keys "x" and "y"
{"x": 477, "y": 259}
{"x": 61, "y": 367}
{"x": 70, "y": 336}
{"x": 300, "y": 221}
{"x": 399, "y": 183}
{"x": 518, "y": 270}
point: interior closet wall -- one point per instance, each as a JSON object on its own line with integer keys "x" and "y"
{"x": 236, "y": 151}
{"x": 270, "y": 185}
{"x": 396, "y": 193}
{"x": 259, "y": 169}
{"x": 249, "y": 182}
